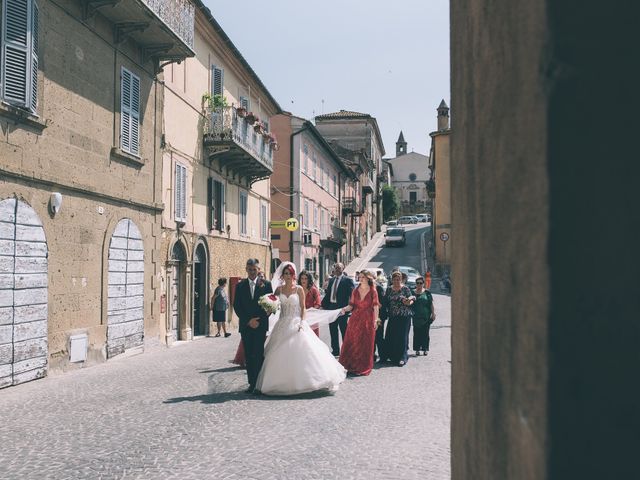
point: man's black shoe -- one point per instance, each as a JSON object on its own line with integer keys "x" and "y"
{"x": 249, "y": 390}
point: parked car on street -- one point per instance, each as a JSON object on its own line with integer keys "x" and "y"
{"x": 412, "y": 275}
{"x": 407, "y": 219}
{"x": 391, "y": 223}
{"x": 394, "y": 236}
{"x": 423, "y": 217}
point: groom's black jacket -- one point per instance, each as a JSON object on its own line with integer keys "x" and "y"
{"x": 247, "y": 308}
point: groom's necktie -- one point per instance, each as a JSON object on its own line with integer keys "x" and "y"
{"x": 252, "y": 286}
{"x": 334, "y": 290}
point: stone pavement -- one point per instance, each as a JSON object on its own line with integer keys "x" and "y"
{"x": 181, "y": 413}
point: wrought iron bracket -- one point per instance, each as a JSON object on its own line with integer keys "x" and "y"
{"x": 90, "y": 7}
{"x": 122, "y": 30}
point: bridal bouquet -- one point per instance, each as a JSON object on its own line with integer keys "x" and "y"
{"x": 269, "y": 303}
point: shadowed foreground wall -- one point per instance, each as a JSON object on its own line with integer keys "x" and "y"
{"x": 546, "y": 311}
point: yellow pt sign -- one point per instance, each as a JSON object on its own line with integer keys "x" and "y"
{"x": 291, "y": 224}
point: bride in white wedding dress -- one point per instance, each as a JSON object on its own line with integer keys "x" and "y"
{"x": 295, "y": 359}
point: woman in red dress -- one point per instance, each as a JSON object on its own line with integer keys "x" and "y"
{"x": 311, "y": 294}
{"x": 356, "y": 354}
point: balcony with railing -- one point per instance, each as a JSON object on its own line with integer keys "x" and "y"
{"x": 350, "y": 205}
{"x": 164, "y": 29}
{"x": 239, "y": 142}
{"x": 335, "y": 238}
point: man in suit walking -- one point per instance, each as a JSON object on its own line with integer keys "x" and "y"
{"x": 337, "y": 296}
{"x": 254, "y": 321}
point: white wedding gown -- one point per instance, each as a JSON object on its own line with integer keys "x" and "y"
{"x": 297, "y": 361}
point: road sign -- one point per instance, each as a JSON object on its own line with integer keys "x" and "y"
{"x": 277, "y": 224}
{"x": 444, "y": 236}
{"x": 292, "y": 224}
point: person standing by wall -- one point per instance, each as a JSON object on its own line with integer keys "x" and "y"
{"x": 423, "y": 316}
{"x": 219, "y": 305}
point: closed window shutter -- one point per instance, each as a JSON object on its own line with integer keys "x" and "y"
{"x": 244, "y": 102}
{"x": 130, "y": 113}
{"x": 34, "y": 56}
{"x": 217, "y": 80}
{"x": 135, "y": 115}
{"x": 15, "y": 52}
{"x": 211, "y": 206}
{"x": 125, "y": 111}
{"x": 223, "y": 205}
{"x": 181, "y": 193}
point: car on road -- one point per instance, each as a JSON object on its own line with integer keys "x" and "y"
{"x": 395, "y": 236}
{"x": 392, "y": 223}
{"x": 412, "y": 275}
{"x": 423, "y": 217}
{"x": 407, "y": 219}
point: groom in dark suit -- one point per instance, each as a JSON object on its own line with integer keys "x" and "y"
{"x": 337, "y": 295}
{"x": 254, "y": 321}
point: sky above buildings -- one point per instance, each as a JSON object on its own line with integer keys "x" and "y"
{"x": 388, "y": 59}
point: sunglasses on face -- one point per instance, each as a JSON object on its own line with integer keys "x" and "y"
{"x": 419, "y": 283}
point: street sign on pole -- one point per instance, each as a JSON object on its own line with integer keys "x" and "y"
{"x": 444, "y": 236}
{"x": 277, "y": 224}
{"x": 292, "y": 224}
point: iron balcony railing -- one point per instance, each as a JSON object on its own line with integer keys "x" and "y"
{"x": 225, "y": 125}
{"x": 178, "y": 15}
{"x": 349, "y": 205}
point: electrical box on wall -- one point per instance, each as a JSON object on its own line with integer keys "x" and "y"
{"x": 78, "y": 347}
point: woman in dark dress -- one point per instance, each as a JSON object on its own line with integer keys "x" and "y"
{"x": 219, "y": 305}
{"x": 423, "y": 317}
{"x": 356, "y": 355}
{"x": 398, "y": 301}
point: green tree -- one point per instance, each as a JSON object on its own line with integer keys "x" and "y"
{"x": 390, "y": 205}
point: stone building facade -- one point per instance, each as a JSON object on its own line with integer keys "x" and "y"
{"x": 440, "y": 168}
{"x": 359, "y": 133}
{"x": 309, "y": 183}
{"x": 216, "y": 166}
{"x": 409, "y": 175}
{"x": 79, "y": 193}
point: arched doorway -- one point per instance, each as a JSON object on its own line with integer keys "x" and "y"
{"x": 125, "y": 311}
{"x": 177, "y": 271}
{"x": 200, "y": 291}
{"x": 23, "y": 294}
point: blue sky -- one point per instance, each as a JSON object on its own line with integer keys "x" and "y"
{"x": 388, "y": 59}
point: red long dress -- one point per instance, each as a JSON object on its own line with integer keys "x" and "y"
{"x": 356, "y": 355}
{"x": 239, "y": 358}
{"x": 312, "y": 300}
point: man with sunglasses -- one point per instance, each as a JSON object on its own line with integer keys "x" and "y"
{"x": 423, "y": 316}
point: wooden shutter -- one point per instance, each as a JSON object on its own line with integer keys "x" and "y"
{"x": 181, "y": 193}
{"x": 135, "y": 115}
{"x": 244, "y": 102}
{"x": 223, "y": 205}
{"x": 15, "y": 52}
{"x": 34, "y": 56}
{"x": 211, "y": 205}
{"x": 130, "y": 112}
{"x": 217, "y": 80}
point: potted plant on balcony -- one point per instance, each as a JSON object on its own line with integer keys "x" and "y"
{"x": 251, "y": 118}
{"x": 258, "y": 127}
{"x": 241, "y": 111}
{"x": 214, "y": 102}
{"x": 270, "y": 138}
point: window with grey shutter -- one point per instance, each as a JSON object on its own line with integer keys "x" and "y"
{"x": 217, "y": 80}
{"x": 181, "y": 193}
{"x": 130, "y": 112}
{"x": 243, "y": 213}
{"x": 19, "y": 53}
{"x": 244, "y": 102}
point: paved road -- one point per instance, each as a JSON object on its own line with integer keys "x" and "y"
{"x": 181, "y": 413}
{"x": 386, "y": 258}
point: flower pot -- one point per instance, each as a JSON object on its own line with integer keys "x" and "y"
{"x": 251, "y": 118}
{"x": 241, "y": 111}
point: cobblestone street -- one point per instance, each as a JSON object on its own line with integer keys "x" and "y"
{"x": 182, "y": 413}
